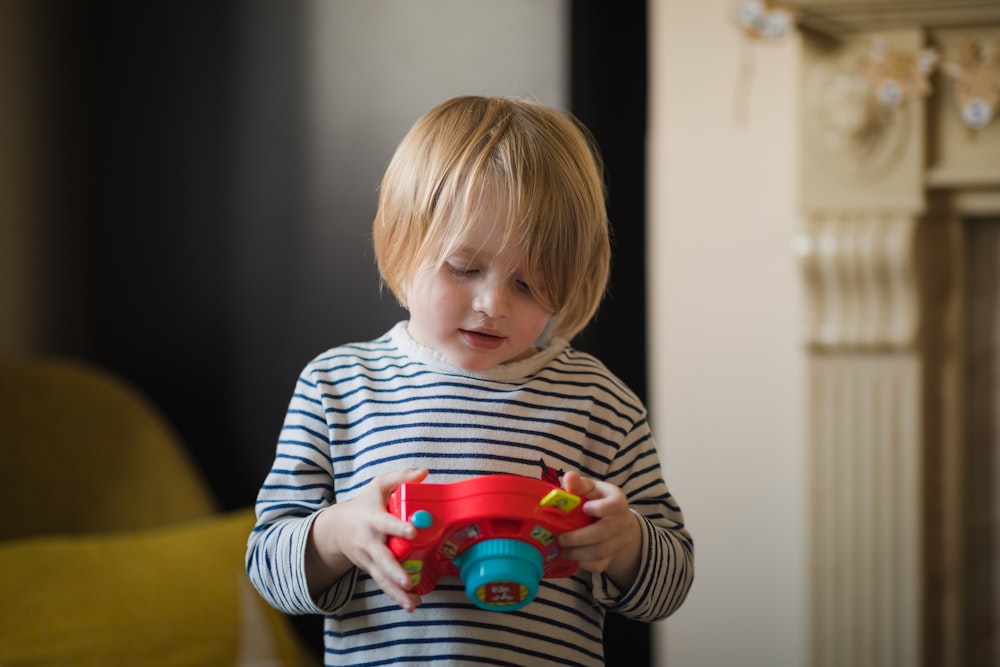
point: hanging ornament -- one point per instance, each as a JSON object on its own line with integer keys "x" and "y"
{"x": 857, "y": 138}
{"x": 760, "y": 19}
{"x": 895, "y": 76}
{"x": 977, "y": 83}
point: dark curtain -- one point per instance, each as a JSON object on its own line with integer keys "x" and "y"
{"x": 608, "y": 65}
{"x": 140, "y": 99}
{"x": 170, "y": 145}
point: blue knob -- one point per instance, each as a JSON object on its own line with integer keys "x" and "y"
{"x": 422, "y": 519}
{"x": 500, "y": 574}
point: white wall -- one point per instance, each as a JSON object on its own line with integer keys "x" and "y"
{"x": 727, "y": 389}
{"x": 375, "y": 68}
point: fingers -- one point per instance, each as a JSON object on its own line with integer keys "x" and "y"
{"x": 399, "y": 594}
{"x": 385, "y": 569}
{"x": 366, "y": 525}
{"x": 372, "y": 555}
{"x": 394, "y": 582}
{"x": 597, "y": 546}
{"x": 389, "y": 482}
{"x": 383, "y": 486}
{"x": 603, "y": 499}
{"x": 574, "y": 482}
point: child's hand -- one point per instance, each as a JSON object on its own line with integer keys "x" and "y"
{"x": 612, "y": 544}
{"x": 357, "y": 530}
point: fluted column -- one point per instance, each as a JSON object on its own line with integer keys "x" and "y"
{"x": 865, "y": 438}
{"x": 862, "y": 199}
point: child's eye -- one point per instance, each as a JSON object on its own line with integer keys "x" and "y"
{"x": 460, "y": 270}
{"x": 523, "y": 287}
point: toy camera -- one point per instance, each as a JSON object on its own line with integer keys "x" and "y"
{"x": 497, "y": 532}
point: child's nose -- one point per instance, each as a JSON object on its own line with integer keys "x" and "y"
{"x": 491, "y": 300}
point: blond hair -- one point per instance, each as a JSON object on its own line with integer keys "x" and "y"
{"x": 545, "y": 167}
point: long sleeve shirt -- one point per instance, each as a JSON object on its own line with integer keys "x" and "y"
{"x": 370, "y": 408}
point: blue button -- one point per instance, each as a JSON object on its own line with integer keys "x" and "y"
{"x": 422, "y": 519}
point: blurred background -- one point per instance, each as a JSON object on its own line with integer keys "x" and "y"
{"x": 186, "y": 193}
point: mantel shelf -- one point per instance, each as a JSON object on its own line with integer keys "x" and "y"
{"x": 957, "y": 179}
{"x": 840, "y": 18}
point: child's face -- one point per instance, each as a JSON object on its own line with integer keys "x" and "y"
{"x": 477, "y": 309}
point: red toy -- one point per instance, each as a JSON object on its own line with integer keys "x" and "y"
{"x": 497, "y": 532}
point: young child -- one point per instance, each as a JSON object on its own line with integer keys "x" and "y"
{"x": 492, "y": 232}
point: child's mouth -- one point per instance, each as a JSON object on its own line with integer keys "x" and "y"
{"x": 482, "y": 340}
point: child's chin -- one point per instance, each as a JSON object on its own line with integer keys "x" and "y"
{"x": 475, "y": 366}
{"x": 475, "y": 362}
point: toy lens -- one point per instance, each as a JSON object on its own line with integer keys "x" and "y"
{"x": 500, "y": 574}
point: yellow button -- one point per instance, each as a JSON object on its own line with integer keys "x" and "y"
{"x": 413, "y": 568}
{"x": 564, "y": 500}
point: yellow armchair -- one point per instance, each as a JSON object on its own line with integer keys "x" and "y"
{"x": 112, "y": 549}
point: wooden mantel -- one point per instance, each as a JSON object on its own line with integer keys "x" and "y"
{"x": 886, "y": 192}
{"x": 842, "y": 18}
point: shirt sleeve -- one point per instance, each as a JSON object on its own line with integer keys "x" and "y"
{"x": 666, "y": 568}
{"x": 298, "y": 485}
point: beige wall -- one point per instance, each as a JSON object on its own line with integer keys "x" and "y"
{"x": 728, "y": 395}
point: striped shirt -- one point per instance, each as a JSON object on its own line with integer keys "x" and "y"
{"x": 365, "y": 409}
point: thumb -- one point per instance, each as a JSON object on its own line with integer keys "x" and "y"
{"x": 392, "y": 481}
{"x": 576, "y": 484}
{"x": 411, "y": 476}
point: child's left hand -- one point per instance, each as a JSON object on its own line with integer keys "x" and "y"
{"x": 612, "y": 544}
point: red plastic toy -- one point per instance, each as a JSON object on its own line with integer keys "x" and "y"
{"x": 497, "y": 532}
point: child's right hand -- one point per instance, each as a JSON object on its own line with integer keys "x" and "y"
{"x": 355, "y": 532}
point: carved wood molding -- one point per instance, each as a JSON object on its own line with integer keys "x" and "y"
{"x": 862, "y": 197}
{"x": 858, "y": 270}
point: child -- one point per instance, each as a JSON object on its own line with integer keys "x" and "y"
{"x": 492, "y": 232}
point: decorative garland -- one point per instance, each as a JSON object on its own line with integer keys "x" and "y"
{"x": 895, "y": 75}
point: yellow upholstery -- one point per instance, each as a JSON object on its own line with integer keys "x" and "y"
{"x": 84, "y": 452}
{"x": 112, "y": 550}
